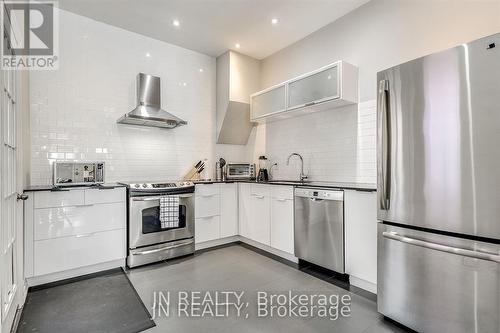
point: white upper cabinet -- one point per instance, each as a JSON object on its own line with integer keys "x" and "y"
{"x": 326, "y": 88}
{"x": 270, "y": 101}
{"x": 314, "y": 88}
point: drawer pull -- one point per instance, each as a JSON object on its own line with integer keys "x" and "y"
{"x": 258, "y": 196}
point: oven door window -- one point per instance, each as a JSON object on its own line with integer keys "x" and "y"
{"x": 151, "y": 220}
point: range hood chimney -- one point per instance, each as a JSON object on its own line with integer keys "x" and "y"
{"x": 238, "y": 76}
{"x": 148, "y": 111}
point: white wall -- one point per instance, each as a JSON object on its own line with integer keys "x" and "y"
{"x": 74, "y": 109}
{"x": 339, "y": 145}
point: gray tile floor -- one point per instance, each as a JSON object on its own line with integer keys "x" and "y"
{"x": 240, "y": 269}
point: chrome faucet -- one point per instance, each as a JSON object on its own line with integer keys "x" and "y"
{"x": 303, "y": 176}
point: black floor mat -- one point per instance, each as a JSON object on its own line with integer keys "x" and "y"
{"x": 104, "y": 302}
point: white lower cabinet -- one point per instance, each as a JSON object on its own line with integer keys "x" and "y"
{"x": 61, "y": 254}
{"x": 266, "y": 215}
{"x": 244, "y": 209}
{"x": 78, "y": 220}
{"x": 282, "y": 228}
{"x": 207, "y": 212}
{"x": 207, "y": 228}
{"x": 360, "y": 209}
{"x": 73, "y": 229}
{"x": 260, "y": 217}
{"x": 228, "y": 210}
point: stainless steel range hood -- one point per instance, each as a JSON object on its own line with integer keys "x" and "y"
{"x": 148, "y": 111}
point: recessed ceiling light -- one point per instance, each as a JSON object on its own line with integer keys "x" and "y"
{"x": 237, "y": 45}
{"x": 201, "y": 70}
{"x": 148, "y": 54}
{"x": 176, "y": 23}
{"x": 274, "y": 21}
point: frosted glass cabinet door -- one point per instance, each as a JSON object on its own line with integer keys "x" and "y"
{"x": 268, "y": 102}
{"x": 314, "y": 88}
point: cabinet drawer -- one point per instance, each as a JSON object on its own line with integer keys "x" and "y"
{"x": 207, "y": 190}
{"x": 282, "y": 192}
{"x": 207, "y": 206}
{"x": 60, "y": 254}
{"x": 78, "y": 220}
{"x": 44, "y": 199}
{"x": 207, "y": 228}
{"x": 260, "y": 190}
{"x": 96, "y": 196}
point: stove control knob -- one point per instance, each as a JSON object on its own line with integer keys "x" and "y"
{"x": 136, "y": 185}
{"x": 144, "y": 185}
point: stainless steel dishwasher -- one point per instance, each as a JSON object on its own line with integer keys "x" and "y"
{"x": 319, "y": 227}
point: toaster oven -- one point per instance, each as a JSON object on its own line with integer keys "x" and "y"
{"x": 240, "y": 171}
{"x": 78, "y": 173}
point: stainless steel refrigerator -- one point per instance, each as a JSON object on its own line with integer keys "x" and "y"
{"x": 438, "y": 177}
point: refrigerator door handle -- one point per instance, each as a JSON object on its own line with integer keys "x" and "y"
{"x": 384, "y": 139}
{"x": 442, "y": 248}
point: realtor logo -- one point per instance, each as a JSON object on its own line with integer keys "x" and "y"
{"x": 30, "y": 30}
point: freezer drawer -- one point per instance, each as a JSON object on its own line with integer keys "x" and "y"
{"x": 436, "y": 283}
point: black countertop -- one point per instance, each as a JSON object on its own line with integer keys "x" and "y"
{"x": 315, "y": 184}
{"x": 35, "y": 188}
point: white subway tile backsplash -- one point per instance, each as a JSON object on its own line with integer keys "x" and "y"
{"x": 74, "y": 109}
{"x": 337, "y": 145}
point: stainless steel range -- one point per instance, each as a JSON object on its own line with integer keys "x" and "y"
{"x": 150, "y": 239}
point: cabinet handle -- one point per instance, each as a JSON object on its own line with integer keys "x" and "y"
{"x": 207, "y": 217}
{"x": 258, "y": 196}
{"x": 310, "y": 103}
{"x": 281, "y": 199}
{"x": 207, "y": 195}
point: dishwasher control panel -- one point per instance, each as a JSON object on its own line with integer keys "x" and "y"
{"x": 325, "y": 194}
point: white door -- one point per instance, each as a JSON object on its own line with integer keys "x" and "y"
{"x": 10, "y": 207}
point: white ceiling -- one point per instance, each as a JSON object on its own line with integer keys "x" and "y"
{"x": 214, "y": 26}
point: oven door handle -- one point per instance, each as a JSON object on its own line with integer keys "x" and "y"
{"x": 158, "y": 197}
{"x": 163, "y": 248}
